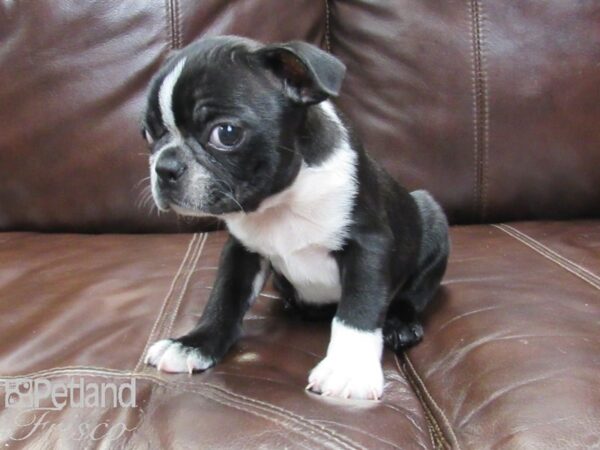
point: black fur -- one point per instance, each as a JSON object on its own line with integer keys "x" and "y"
{"x": 221, "y": 321}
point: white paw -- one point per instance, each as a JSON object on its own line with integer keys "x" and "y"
{"x": 357, "y": 379}
{"x": 171, "y": 356}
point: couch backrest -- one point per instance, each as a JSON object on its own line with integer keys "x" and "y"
{"x": 492, "y": 106}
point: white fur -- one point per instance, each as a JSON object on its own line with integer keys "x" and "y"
{"x": 165, "y": 103}
{"x": 299, "y": 227}
{"x": 148, "y": 137}
{"x": 352, "y": 367}
{"x": 188, "y": 212}
{"x": 165, "y": 98}
{"x": 259, "y": 280}
{"x": 174, "y": 357}
{"x": 153, "y": 179}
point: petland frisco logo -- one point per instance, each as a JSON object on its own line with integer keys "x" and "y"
{"x": 40, "y": 393}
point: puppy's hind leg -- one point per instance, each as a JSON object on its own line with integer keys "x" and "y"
{"x": 402, "y": 328}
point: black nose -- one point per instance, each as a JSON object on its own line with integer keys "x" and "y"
{"x": 169, "y": 166}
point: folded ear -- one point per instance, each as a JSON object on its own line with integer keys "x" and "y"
{"x": 309, "y": 74}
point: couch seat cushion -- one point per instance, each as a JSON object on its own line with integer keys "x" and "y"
{"x": 83, "y": 306}
{"x": 510, "y": 357}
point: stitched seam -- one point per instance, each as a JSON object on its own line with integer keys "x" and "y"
{"x": 580, "y": 269}
{"x": 331, "y": 434}
{"x": 169, "y": 317}
{"x": 185, "y": 286}
{"x": 227, "y": 398}
{"x": 440, "y": 439}
{"x": 551, "y": 255}
{"x": 177, "y": 24}
{"x": 216, "y": 397}
{"x": 480, "y": 110}
{"x": 480, "y": 95}
{"x": 437, "y": 436}
{"x": 56, "y": 371}
{"x": 430, "y": 431}
{"x": 430, "y": 405}
{"x": 169, "y": 314}
{"x": 486, "y": 113}
{"x": 163, "y": 308}
{"x": 474, "y": 106}
{"x": 486, "y": 138}
{"x": 327, "y": 26}
{"x": 109, "y": 374}
{"x": 244, "y": 408}
{"x": 241, "y": 407}
{"x": 171, "y": 36}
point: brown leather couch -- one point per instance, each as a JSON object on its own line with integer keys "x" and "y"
{"x": 493, "y": 106}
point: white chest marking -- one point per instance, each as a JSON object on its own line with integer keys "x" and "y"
{"x": 298, "y": 228}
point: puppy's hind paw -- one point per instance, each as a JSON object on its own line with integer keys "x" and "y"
{"x": 169, "y": 355}
{"x": 399, "y": 335}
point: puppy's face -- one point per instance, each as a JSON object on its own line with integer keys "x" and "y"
{"x": 222, "y": 120}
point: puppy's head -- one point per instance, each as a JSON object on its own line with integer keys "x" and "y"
{"x": 223, "y": 117}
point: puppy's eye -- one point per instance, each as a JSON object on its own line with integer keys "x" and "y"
{"x": 225, "y": 136}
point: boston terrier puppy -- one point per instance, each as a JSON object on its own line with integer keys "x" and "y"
{"x": 247, "y": 132}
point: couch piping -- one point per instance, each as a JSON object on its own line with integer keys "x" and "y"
{"x": 169, "y": 17}
{"x": 443, "y": 432}
{"x": 190, "y": 251}
{"x": 175, "y": 310}
{"x": 173, "y": 24}
{"x": 480, "y": 110}
{"x": 327, "y": 26}
{"x": 215, "y": 393}
{"x": 274, "y": 408}
{"x": 178, "y": 24}
{"x": 551, "y": 255}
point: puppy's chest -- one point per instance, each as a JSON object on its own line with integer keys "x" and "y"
{"x": 298, "y": 246}
{"x": 299, "y": 228}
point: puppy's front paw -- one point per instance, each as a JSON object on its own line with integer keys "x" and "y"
{"x": 347, "y": 378}
{"x": 169, "y": 355}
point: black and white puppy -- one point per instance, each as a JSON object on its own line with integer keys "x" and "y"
{"x": 246, "y": 132}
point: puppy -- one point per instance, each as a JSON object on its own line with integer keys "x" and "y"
{"x": 246, "y": 132}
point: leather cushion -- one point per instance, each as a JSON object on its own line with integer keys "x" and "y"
{"x": 510, "y": 356}
{"x": 493, "y": 106}
{"x": 88, "y": 306}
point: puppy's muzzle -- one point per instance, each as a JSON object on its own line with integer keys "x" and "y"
{"x": 169, "y": 168}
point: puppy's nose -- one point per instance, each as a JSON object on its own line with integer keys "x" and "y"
{"x": 169, "y": 166}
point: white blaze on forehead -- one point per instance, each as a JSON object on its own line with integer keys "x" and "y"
{"x": 165, "y": 97}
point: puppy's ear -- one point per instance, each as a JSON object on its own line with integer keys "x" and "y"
{"x": 309, "y": 74}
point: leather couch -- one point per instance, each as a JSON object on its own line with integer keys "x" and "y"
{"x": 493, "y": 106}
